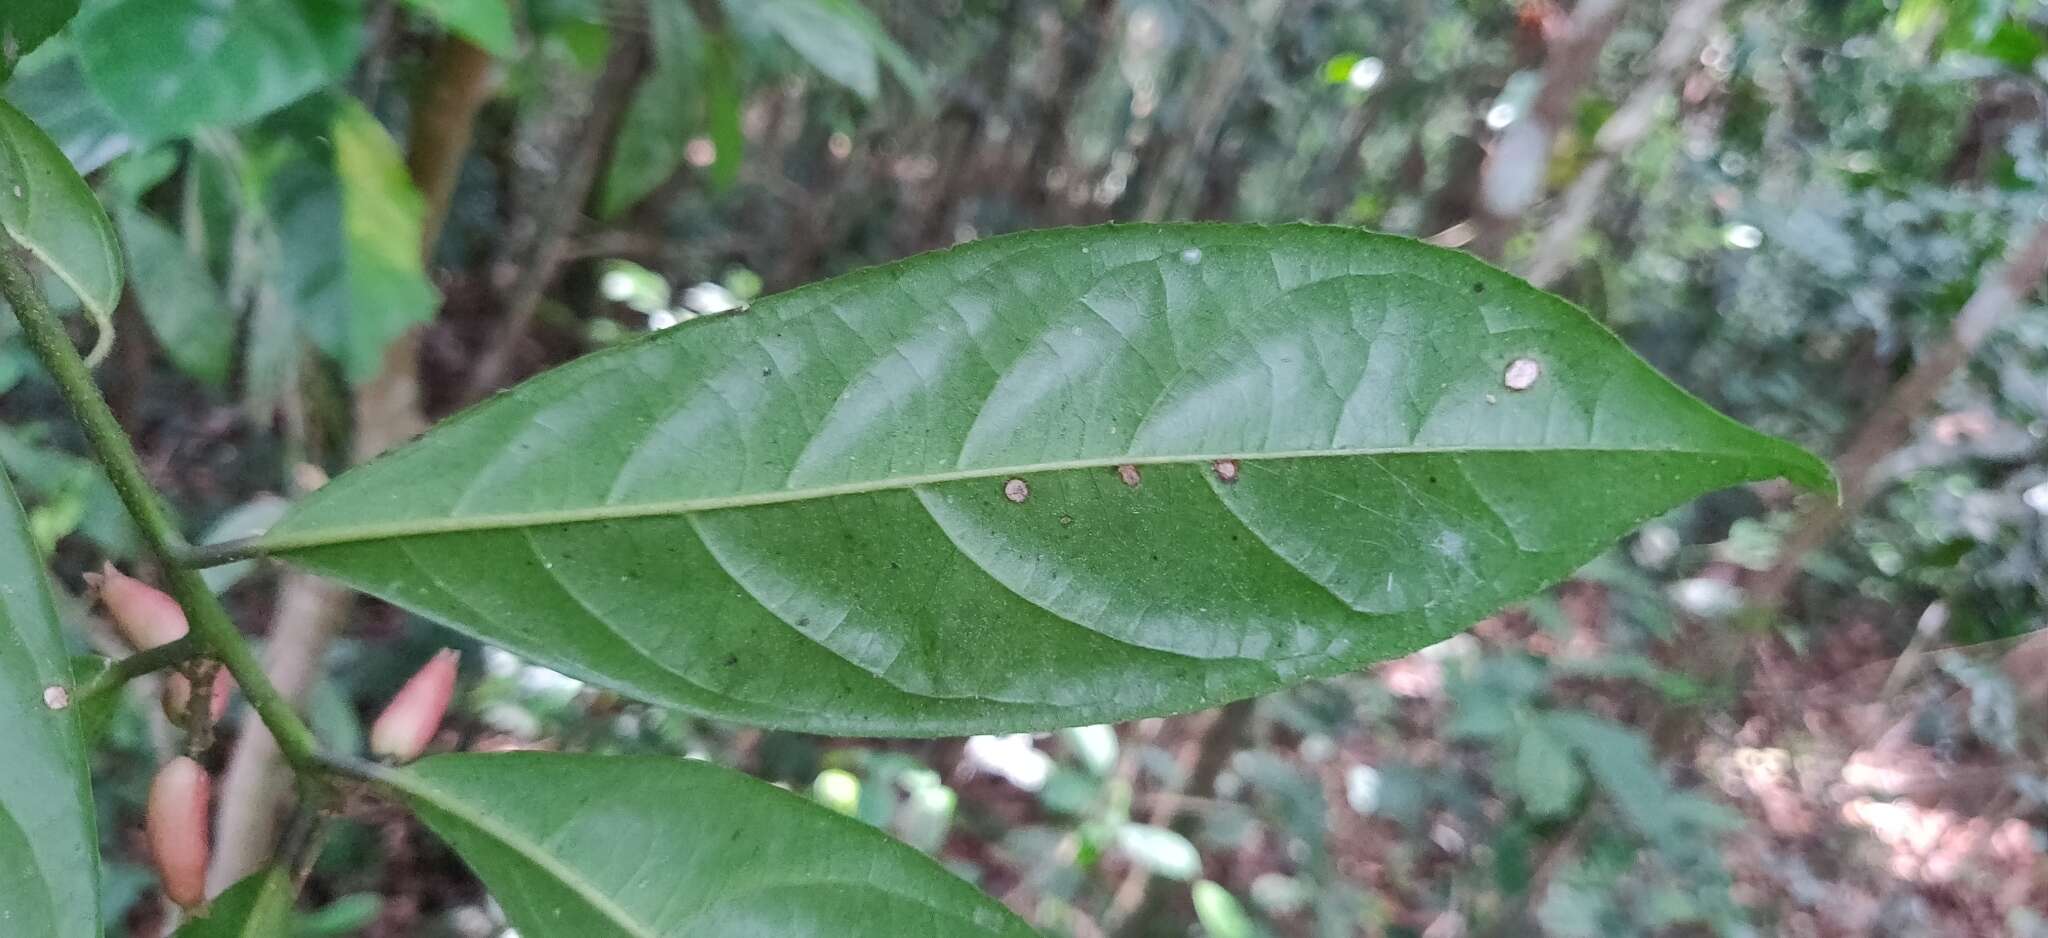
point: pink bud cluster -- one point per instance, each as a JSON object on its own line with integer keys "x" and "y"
{"x": 180, "y": 797}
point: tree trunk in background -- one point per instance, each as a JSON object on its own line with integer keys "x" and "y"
{"x": 1140, "y": 909}
{"x": 310, "y": 610}
{"x": 1211, "y": 104}
{"x": 961, "y": 127}
{"x": 1348, "y": 164}
{"x": 1998, "y": 294}
{"x": 1079, "y": 50}
{"x": 563, "y": 208}
{"x": 1619, "y": 134}
{"x": 1511, "y": 179}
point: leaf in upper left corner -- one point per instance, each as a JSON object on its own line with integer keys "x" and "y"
{"x": 260, "y": 906}
{"x": 48, "y": 210}
{"x": 49, "y": 854}
{"x": 24, "y": 24}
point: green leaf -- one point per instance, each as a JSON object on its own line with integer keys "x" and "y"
{"x": 382, "y": 218}
{"x": 348, "y": 915}
{"x": 722, "y": 101}
{"x": 488, "y": 23}
{"x": 1546, "y": 775}
{"x": 354, "y": 300}
{"x": 1219, "y": 912}
{"x": 24, "y": 24}
{"x": 168, "y": 67}
{"x": 51, "y": 91}
{"x": 667, "y": 109}
{"x": 646, "y": 847}
{"x": 47, "y": 209}
{"x": 1159, "y": 850}
{"x": 96, "y": 712}
{"x": 826, "y": 34}
{"x": 49, "y": 855}
{"x": 802, "y": 515}
{"x": 49, "y": 475}
{"x": 1620, "y": 762}
{"x": 181, "y": 304}
{"x": 839, "y": 38}
{"x": 260, "y": 906}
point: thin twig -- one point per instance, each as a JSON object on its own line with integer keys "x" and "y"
{"x": 122, "y": 670}
{"x": 564, "y": 207}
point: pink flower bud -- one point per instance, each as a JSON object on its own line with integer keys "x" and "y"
{"x": 147, "y": 616}
{"x": 177, "y": 696}
{"x": 405, "y": 727}
{"x": 179, "y": 801}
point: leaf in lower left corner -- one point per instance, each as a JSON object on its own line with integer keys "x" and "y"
{"x": 49, "y": 855}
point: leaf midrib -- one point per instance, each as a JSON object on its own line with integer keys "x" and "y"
{"x": 330, "y": 536}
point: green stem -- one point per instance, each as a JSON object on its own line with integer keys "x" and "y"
{"x": 209, "y": 622}
{"x": 118, "y": 674}
{"x": 222, "y": 552}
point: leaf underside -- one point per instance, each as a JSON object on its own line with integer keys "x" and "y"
{"x": 49, "y": 855}
{"x": 646, "y": 847}
{"x": 895, "y": 503}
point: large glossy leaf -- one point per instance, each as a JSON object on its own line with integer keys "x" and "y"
{"x": 892, "y": 503}
{"x": 49, "y": 855}
{"x": 167, "y": 67}
{"x": 260, "y": 906}
{"x": 645, "y": 847}
{"x": 47, "y": 209}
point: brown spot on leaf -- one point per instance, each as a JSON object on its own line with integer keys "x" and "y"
{"x": 1226, "y": 469}
{"x": 1016, "y": 491}
{"x": 1128, "y": 473}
